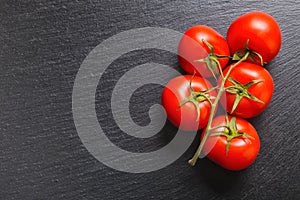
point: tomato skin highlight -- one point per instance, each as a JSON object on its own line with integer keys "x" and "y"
{"x": 242, "y": 151}
{"x": 185, "y": 116}
{"x": 244, "y": 73}
{"x": 260, "y": 29}
{"x": 191, "y": 47}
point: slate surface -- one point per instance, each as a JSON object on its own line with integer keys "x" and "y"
{"x": 43, "y": 44}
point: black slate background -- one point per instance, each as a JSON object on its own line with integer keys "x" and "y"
{"x": 43, "y": 44}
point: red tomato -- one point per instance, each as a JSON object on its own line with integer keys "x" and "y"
{"x": 236, "y": 148}
{"x": 253, "y": 97}
{"x": 261, "y": 30}
{"x": 186, "y": 116}
{"x": 192, "y": 47}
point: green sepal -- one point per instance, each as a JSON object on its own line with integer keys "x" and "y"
{"x": 197, "y": 97}
{"x": 230, "y": 131}
{"x": 241, "y": 53}
{"x": 212, "y": 61}
{"x": 241, "y": 91}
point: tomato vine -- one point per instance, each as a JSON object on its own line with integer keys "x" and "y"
{"x": 221, "y": 89}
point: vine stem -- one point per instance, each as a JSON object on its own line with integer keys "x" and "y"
{"x": 194, "y": 159}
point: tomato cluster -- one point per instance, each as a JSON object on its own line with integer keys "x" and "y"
{"x": 243, "y": 87}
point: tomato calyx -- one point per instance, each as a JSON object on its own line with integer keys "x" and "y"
{"x": 252, "y": 54}
{"x": 197, "y": 97}
{"x": 241, "y": 90}
{"x": 211, "y": 60}
{"x": 230, "y": 131}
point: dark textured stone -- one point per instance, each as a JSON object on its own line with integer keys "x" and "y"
{"x": 43, "y": 44}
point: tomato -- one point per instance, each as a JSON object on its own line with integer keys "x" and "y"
{"x": 192, "y": 47}
{"x": 260, "y": 30}
{"x": 234, "y": 147}
{"x": 249, "y": 89}
{"x": 188, "y": 108}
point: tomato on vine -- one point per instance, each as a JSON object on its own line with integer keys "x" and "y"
{"x": 203, "y": 51}
{"x": 244, "y": 88}
{"x": 255, "y": 32}
{"x": 233, "y": 143}
{"x": 187, "y": 101}
{"x": 249, "y": 89}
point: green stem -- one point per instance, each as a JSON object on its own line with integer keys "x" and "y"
{"x": 194, "y": 159}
